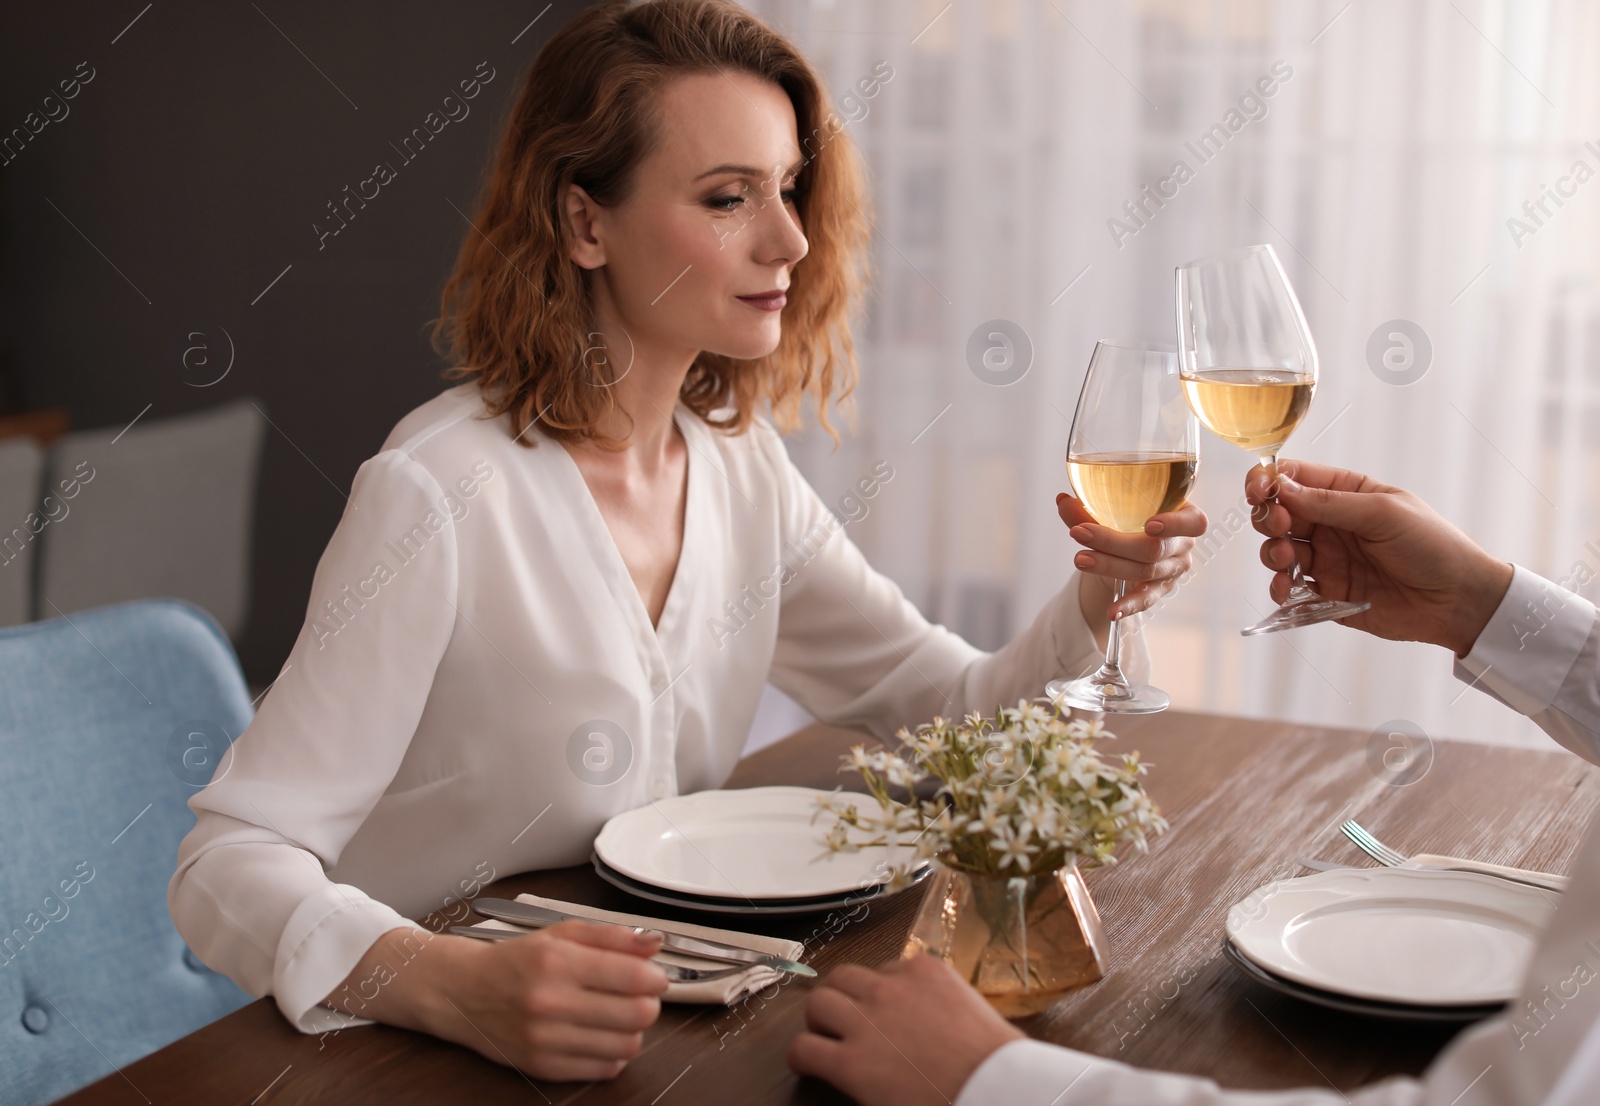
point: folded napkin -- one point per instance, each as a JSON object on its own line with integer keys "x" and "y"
{"x": 1547, "y": 880}
{"x": 726, "y": 991}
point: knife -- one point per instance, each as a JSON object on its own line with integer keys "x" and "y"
{"x": 1321, "y": 865}
{"x": 536, "y": 917}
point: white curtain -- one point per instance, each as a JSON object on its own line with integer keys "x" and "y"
{"x": 1383, "y": 148}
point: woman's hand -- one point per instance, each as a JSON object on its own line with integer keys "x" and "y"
{"x": 565, "y": 1003}
{"x": 1150, "y": 562}
{"x": 570, "y": 1002}
{"x": 1359, "y": 540}
{"x": 909, "y": 1034}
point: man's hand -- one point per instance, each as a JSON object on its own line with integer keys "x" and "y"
{"x": 1359, "y": 539}
{"x": 1150, "y": 562}
{"x": 909, "y": 1034}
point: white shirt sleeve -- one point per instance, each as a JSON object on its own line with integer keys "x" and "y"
{"x": 1032, "y": 1073}
{"x": 1538, "y": 654}
{"x": 854, "y": 651}
{"x": 319, "y": 754}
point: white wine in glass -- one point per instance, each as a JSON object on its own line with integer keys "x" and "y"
{"x": 1249, "y": 371}
{"x": 1123, "y": 491}
{"x": 1255, "y": 409}
{"x": 1132, "y": 455}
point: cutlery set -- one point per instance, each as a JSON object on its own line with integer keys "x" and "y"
{"x": 529, "y": 916}
{"x": 676, "y": 973}
{"x": 1363, "y": 839}
{"x": 1384, "y": 855}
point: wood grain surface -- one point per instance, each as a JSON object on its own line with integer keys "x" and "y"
{"x": 1246, "y": 799}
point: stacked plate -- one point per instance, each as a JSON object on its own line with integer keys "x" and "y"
{"x": 1392, "y": 942}
{"x": 753, "y": 851}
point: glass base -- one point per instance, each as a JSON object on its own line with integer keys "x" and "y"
{"x": 1306, "y": 613}
{"x": 1091, "y": 693}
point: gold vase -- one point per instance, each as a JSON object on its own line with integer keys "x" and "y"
{"x": 1022, "y": 941}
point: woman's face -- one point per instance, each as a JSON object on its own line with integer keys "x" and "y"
{"x": 711, "y": 218}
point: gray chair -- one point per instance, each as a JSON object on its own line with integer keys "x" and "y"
{"x": 109, "y": 722}
{"x": 164, "y": 508}
{"x": 21, "y": 468}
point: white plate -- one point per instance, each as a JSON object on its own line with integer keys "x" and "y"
{"x": 819, "y": 905}
{"x": 1395, "y": 934}
{"x": 755, "y": 843}
{"x": 1395, "y": 1011}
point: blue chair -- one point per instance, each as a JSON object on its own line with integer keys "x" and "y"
{"x": 110, "y": 720}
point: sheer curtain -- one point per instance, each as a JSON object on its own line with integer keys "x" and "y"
{"x": 1427, "y": 172}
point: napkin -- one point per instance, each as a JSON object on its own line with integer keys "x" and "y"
{"x": 726, "y": 991}
{"x": 1546, "y": 880}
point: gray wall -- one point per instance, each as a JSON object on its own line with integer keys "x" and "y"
{"x": 183, "y": 178}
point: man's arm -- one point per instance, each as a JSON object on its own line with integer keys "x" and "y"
{"x": 1527, "y": 642}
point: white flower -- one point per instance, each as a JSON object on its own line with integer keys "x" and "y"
{"x": 1020, "y": 788}
{"x": 1042, "y": 816}
{"x": 1012, "y": 846}
{"x": 989, "y": 819}
{"x": 904, "y": 775}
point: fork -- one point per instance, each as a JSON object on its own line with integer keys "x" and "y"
{"x": 1392, "y": 858}
{"x": 1374, "y": 848}
{"x": 676, "y": 973}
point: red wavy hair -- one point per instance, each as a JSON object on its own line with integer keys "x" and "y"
{"x": 516, "y": 313}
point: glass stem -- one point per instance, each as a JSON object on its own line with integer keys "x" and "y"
{"x": 1299, "y": 590}
{"x": 1112, "y": 683}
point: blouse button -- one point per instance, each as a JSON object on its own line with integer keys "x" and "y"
{"x": 35, "y": 1019}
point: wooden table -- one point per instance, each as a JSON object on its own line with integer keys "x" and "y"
{"x": 1245, "y": 798}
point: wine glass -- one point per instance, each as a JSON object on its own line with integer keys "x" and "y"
{"x": 1249, "y": 370}
{"x": 1132, "y": 455}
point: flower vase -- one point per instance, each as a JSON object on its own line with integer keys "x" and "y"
{"x": 1022, "y": 941}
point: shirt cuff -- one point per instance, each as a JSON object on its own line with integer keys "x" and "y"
{"x": 1071, "y": 640}
{"x": 326, "y": 937}
{"x": 1032, "y": 1073}
{"x": 1023, "y": 1073}
{"x": 1528, "y": 646}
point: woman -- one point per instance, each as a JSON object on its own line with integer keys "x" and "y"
{"x": 561, "y": 586}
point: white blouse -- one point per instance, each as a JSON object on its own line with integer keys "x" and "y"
{"x": 478, "y": 686}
